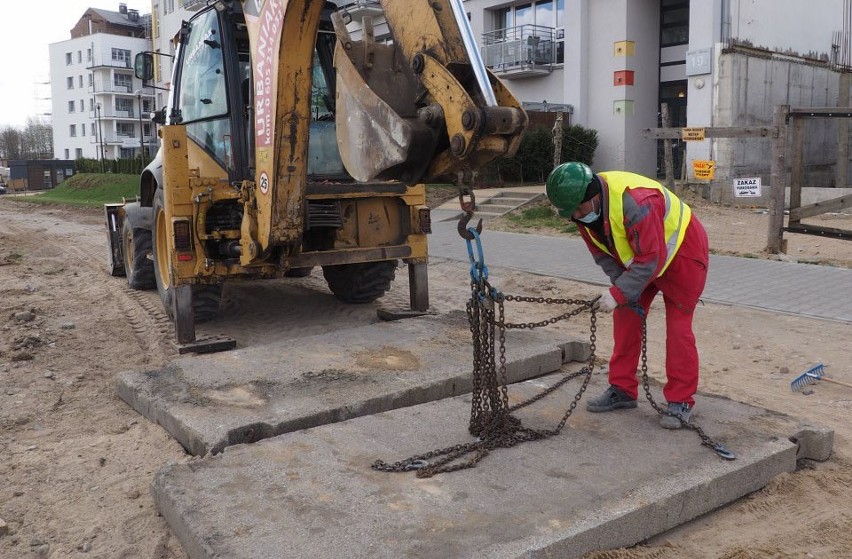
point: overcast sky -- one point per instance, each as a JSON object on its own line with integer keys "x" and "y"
{"x": 27, "y": 30}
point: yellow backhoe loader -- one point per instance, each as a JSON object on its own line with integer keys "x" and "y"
{"x": 294, "y": 138}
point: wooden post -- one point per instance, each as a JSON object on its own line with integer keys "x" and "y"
{"x": 557, "y": 132}
{"x": 841, "y": 169}
{"x": 668, "y": 156}
{"x": 779, "y": 180}
{"x": 797, "y": 162}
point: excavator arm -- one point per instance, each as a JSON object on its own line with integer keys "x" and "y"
{"x": 418, "y": 107}
{"x": 421, "y": 107}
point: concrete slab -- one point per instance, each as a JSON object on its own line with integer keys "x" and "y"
{"x": 608, "y": 480}
{"x": 209, "y": 402}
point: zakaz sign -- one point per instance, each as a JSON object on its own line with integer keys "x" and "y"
{"x": 747, "y": 188}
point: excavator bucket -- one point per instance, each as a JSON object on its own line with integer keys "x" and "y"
{"x": 421, "y": 106}
{"x": 375, "y": 108}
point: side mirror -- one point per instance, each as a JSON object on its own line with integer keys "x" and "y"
{"x": 143, "y": 66}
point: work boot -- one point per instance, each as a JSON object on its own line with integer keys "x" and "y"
{"x": 680, "y": 412}
{"x": 612, "y": 399}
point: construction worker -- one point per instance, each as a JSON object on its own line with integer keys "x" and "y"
{"x": 646, "y": 240}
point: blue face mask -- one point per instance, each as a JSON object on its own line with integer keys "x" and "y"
{"x": 592, "y": 216}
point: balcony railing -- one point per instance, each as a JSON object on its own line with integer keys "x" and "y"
{"x": 519, "y": 52}
{"x": 113, "y": 113}
{"x": 110, "y": 64}
{"x": 122, "y": 140}
{"x": 111, "y": 88}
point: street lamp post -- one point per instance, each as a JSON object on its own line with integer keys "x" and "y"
{"x": 100, "y": 137}
{"x": 141, "y": 135}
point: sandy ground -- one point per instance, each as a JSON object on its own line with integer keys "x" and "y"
{"x": 76, "y": 462}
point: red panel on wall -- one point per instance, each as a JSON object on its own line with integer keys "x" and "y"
{"x": 622, "y": 77}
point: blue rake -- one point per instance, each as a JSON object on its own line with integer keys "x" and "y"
{"x": 812, "y": 376}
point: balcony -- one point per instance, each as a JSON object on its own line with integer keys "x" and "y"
{"x": 194, "y": 5}
{"x": 111, "y": 88}
{"x": 122, "y": 140}
{"x": 124, "y": 64}
{"x": 363, "y": 8}
{"x": 520, "y": 52}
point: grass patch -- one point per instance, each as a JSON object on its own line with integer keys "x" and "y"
{"x": 90, "y": 189}
{"x": 542, "y": 217}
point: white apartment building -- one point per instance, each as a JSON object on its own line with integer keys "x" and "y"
{"x": 100, "y": 110}
{"x": 610, "y": 64}
{"x": 614, "y": 62}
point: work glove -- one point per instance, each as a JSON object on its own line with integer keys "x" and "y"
{"x": 606, "y": 302}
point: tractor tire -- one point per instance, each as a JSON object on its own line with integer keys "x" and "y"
{"x": 206, "y": 299}
{"x": 360, "y": 283}
{"x": 136, "y": 247}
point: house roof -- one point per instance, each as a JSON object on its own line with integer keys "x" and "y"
{"x": 117, "y": 18}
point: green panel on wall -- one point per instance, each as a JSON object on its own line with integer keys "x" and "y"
{"x": 622, "y": 107}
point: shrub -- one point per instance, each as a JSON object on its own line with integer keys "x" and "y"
{"x": 534, "y": 158}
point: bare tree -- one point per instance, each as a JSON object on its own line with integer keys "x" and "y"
{"x": 33, "y": 141}
{"x": 38, "y": 139}
{"x": 10, "y": 143}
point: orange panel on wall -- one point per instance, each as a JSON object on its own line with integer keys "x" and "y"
{"x": 622, "y": 77}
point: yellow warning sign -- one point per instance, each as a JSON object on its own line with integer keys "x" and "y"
{"x": 703, "y": 169}
{"x": 692, "y": 134}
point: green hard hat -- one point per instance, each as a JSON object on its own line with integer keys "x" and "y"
{"x": 566, "y": 186}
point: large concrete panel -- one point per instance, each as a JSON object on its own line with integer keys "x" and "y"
{"x": 209, "y": 402}
{"x": 608, "y": 480}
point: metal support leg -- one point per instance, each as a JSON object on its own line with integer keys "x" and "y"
{"x": 184, "y": 315}
{"x": 418, "y": 284}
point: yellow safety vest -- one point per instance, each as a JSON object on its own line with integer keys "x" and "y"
{"x": 677, "y": 215}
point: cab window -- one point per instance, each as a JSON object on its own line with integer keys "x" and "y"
{"x": 203, "y": 96}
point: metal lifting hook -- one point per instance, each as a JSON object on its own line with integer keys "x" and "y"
{"x": 468, "y": 208}
{"x": 463, "y": 229}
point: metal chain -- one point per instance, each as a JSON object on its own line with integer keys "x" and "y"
{"x": 718, "y": 448}
{"x": 491, "y": 416}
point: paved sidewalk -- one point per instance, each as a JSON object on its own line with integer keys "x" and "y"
{"x": 803, "y": 289}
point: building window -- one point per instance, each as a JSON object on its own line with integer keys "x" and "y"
{"x": 82, "y": 106}
{"x": 122, "y": 56}
{"x": 125, "y": 106}
{"x": 70, "y": 106}
{"x": 80, "y": 81}
{"x": 125, "y": 129}
{"x": 79, "y": 56}
{"x": 542, "y": 18}
{"x": 67, "y": 154}
{"x": 72, "y": 130}
{"x": 83, "y": 129}
{"x": 674, "y": 22}
{"x": 70, "y": 82}
{"x": 79, "y": 153}
{"x": 67, "y": 58}
{"x": 123, "y": 82}
{"x": 91, "y": 80}
{"x": 88, "y": 55}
